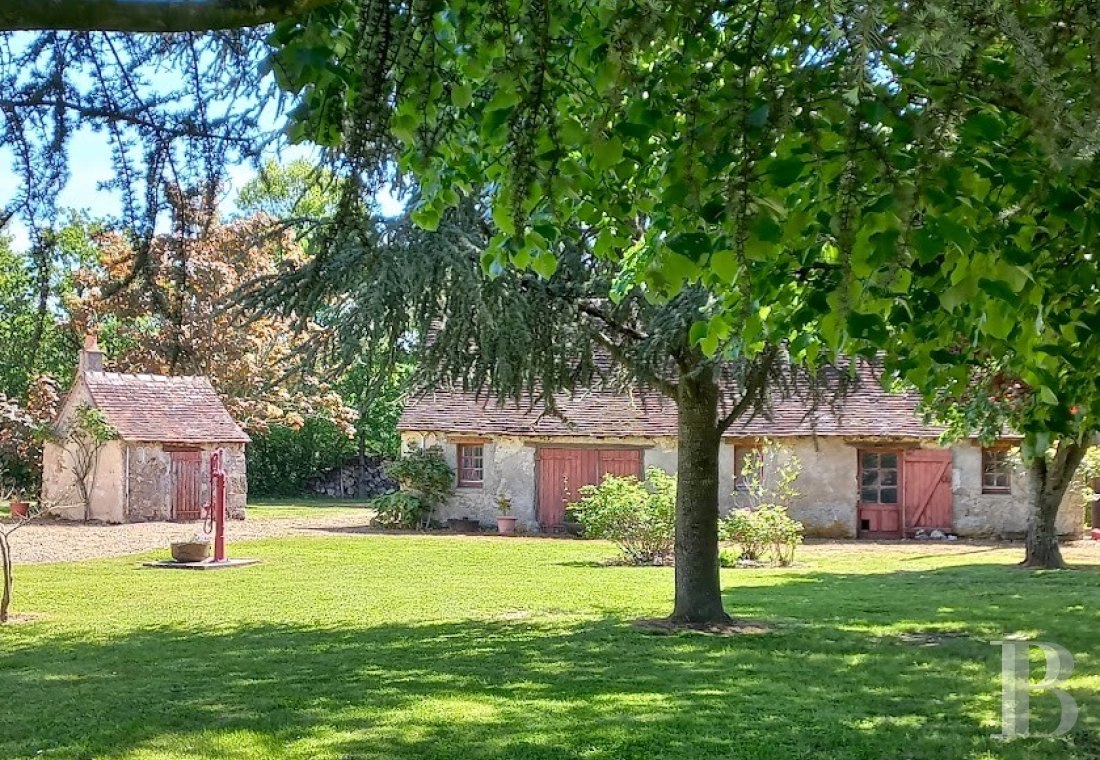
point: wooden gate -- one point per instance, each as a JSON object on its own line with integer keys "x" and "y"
{"x": 186, "y": 484}
{"x": 927, "y": 493}
{"x": 561, "y": 472}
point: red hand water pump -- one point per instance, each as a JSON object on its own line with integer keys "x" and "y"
{"x": 214, "y": 511}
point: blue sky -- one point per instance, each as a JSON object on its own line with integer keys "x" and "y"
{"x": 91, "y": 165}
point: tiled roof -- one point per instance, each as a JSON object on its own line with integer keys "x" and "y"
{"x": 164, "y": 409}
{"x": 868, "y": 411}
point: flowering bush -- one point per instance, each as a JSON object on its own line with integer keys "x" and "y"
{"x": 639, "y": 518}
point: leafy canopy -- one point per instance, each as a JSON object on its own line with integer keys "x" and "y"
{"x": 794, "y": 158}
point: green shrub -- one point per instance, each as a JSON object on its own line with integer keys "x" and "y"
{"x": 767, "y": 487}
{"x": 282, "y": 459}
{"x": 638, "y": 517}
{"x": 729, "y": 557}
{"x": 400, "y": 509}
{"x": 743, "y": 528}
{"x": 768, "y": 529}
{"x": 426, "y": 482}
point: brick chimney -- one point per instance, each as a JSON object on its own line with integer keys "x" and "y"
{"x": 91, "y": 358}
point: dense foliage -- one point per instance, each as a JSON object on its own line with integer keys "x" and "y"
{"x": 638, "y": 517}
{"x": 426, "y": 482}
{"x": 281, "y": 459}
{"x": 181, "y": 321}
{"x": 400, "y": 509}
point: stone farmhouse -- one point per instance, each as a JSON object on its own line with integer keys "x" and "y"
{"x": 871, "y": 467}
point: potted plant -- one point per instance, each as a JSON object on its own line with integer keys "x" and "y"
{"x": 506, "y": 521}
{"x": 19, "y": 505}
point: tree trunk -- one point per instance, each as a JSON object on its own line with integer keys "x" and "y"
{"x": 5, "y": 569}
{"x": 698, "y": 592}
{"x": 1049, "y": 483}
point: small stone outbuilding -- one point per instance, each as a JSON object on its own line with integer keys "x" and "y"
{"x": 157, "y": 464}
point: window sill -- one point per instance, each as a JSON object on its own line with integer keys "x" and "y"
{"x": 996, "y": 491}
{"x": 471, "y": 485}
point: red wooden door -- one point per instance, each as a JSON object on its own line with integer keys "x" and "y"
{"x": 927, "y": 492}
{"x": 186, "y": 469}
{"x": 880, "y": 490}
{"x": 563, "y": 471}
{"x": 620, "y": 462}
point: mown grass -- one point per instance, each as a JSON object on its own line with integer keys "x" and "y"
{"x": 274, "y": 509}
{"x": 405, "y": 646}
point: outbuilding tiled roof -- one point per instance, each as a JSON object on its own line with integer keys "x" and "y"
{"x": 162, "y": 409}
{"x": 868, "y": 411}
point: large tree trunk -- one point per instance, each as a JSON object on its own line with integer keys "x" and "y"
{"x": 1049, "y": 483}
{"x": 698, "y": 592}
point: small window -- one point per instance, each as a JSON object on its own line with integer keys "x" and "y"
{"x": 996, "y": 471}
{"x": 746, "y": 459}
{"x": 878, "y": 477}
{"x": 471, "y": 464}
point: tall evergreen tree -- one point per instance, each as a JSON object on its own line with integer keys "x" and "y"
{"x": 524, "y": 338}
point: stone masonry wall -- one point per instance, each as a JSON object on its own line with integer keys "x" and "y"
{"x": 827, "y": 485}
{"x": 150, "y": 484}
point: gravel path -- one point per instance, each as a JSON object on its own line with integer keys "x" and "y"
{"x": 64, "y": 541}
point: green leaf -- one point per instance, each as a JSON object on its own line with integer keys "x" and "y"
{"x": 502, "y": 217}
{"x": 461, "y": 95}
{"x": 1048, "y": 396}
{"x": 724, "y": 264}
{"x": 784, "y": 172}
{"x": 607, "y": 153}
{"x": 545, "y": 264}
{"x": 697, "y": 332}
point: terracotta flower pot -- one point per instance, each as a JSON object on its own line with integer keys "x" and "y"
{"x": 190, "y": 551}
{"x": 20, "y": 509}
{"x": 506, "y": 525}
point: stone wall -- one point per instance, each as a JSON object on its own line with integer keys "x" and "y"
{"x": 59, "y": 483}
{"x": 1001, "y": 515}
{"x": 827, "y": 485}
{"x": 150, "y": 483}
{"x": 509, "y": 470}
{"x": 353, "y": 479}
{"x": 149, "y": 494}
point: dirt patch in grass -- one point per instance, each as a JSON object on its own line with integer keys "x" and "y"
{"x": 17, "y": 618}
{"x": 735, "y": 627}
{"x": 931, "y": 638}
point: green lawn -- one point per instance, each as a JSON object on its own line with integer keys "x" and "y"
{"x": 461, "y": 647}
{"x": 274, "y": 509}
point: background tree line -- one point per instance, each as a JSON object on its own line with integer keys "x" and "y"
{"x": 182, "y": 319}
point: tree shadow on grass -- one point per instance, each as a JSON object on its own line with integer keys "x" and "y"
{"x": 836, "y": 679}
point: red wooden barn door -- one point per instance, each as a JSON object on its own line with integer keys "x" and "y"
{"x": 927, "y": 492}
{"x": 620, "y": 462}
{"x": 186, "y": 466}
{"x": 562, "y": 471}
